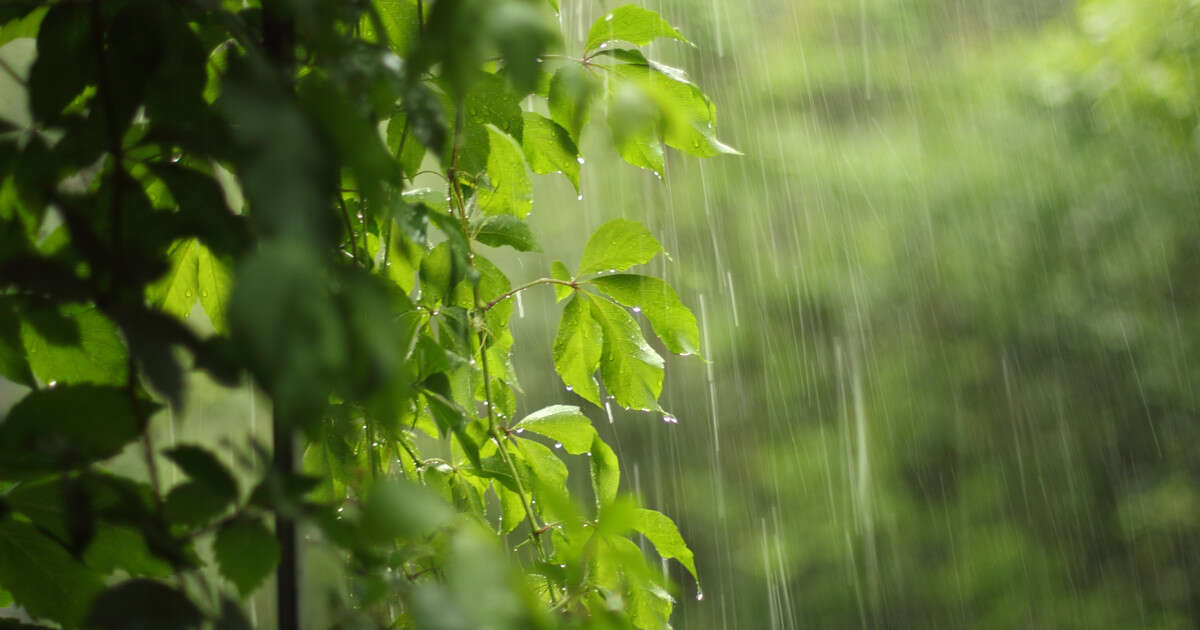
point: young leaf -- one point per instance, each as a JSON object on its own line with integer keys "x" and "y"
{"x": 215, "y": 284}
{"x": 42, "y": 577}
{"x": 616, "y": 246}
{"x": 633, "y": 24}
{"x": 143, "y": 604}
{"x": 559, "y": 271}
{"x": 674, "y": 324}
{"x": 175, "y": 292}
{"x": 564, "y": 424}
{"x": 512, "y": 190}
{"x": 606, "y": 473}
{"x": 549, "y": 148}
{"x": 246, "y": 553}
{"x": 204, "y": 467}
{"x": 503, "y": 229}
{"x": 664, "y": 535}
{"x": 577, "y": 349}
{"x": 631, "y": 369}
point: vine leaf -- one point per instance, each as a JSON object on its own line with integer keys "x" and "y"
{"x": 143, "y": 604}
{"x": 503, "y": 229}
{"x": 559, "y": 271}
{"x": 632, "y": 24}
{"x": 674, "y": 324}
{"x": 549, "y": 148}
{"x": 661, "y": 531}
{"x": 246, "y": 553}
{"x": 578, "y": 347}
{"x": 618, "y": 245}
{"x": 565, "y": 424}
{"x": 512, "y": 189}
{"x": 42, "y": 577}
{"x": 631, "y": 369}
{"x": 606, "y": 473}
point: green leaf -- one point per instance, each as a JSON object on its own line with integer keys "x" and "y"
{"x": 674, "y": 324}
{"x": 246, "y": 553}
{"x": 562, "y": 423}
{"x": 512, "y": 190}
{"x": 616, "y": 246}
{"x": 578, "y": 347}
{"x": 400, "y": 23}
{"x": 547, "y": 468}
{"x": 64, "y": 428}
{"x": 511, "y": 510}
{"x": 687, "y": 114}
{"x": 573, "y": 90}
{"x": 143, "y": 605}
{"x": 404, "y": 510}
{"x": 404, "y": 144}
{"x": 204, "y": 467}
{"x": 632, "y": 371}
{"x": 630, "y": 23}
{"x": 42, "y": 577}
{"x": 503, "y": 229}
{"x": 120, "y": 547}
{"x": 549, "y": 148}
{"x": 175, "y": 292}
{"x": 664, "y": 535}
{"x": 521, "y": 33}
{"x": 642, "y": 150}
{"x": 192, "y": 503}
{"x": 64, "y": 63}
{"x": 14, "y": 364}
{"x": 606, "y": 473}
{"x": 75, "y": 344}
{"x": 559, "y": 271}
{"x": 215, "y": 284}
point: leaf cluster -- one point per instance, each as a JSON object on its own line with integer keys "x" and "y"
{"x": 231, "y": 187}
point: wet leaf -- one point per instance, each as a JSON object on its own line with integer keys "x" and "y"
{"x": 578, "y": 347}
{"x": 564, "y": 424}
{"x": 630, "y": 23}
{"x": 616, "y": 246}
{"x": 246, "y": 553}
{"x": 674, "y": 324}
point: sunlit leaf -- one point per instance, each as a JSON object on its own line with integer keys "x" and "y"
{"x": 616, "y": 246}
{"x": 605, "y": 473}
{"x": 511, "y": 189}
{"x": 632, "y": 371}
{"x": 549, "y": 148}
{"x": 578, "y": 346}
{"x": 664, "y": 535}
{"x": 563, "y": 423}
{"x": 674, "y": 324}
{"x": 630, "y": 23}
{"x": 503, "y": 229}
{"x": 74, "y": 344}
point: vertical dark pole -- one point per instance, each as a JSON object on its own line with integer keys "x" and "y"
{"x": 279, "y": 43}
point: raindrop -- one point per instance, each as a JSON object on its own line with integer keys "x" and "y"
{"x": 204, "y": 294}
{"x": 52, "y": 383}
{"x": 176, "y": 157}
{"x": 612, "y": 271}
{"x": 579, "y": 159}
{"x": 562, "y": 566}
{"x": 570, "y": 389}
{"x": 608, "y": 18}
{"x": 700, "y": 596}
{"x": 604, "y": 45}
{"x": 637, "y": 309}
{"x": 580, "y": 197}
{"x": 520, "y": 429}
{"x": 589, "y": 453}
{"x": 558, "y": 445}
{"x": 670, "y": 419}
